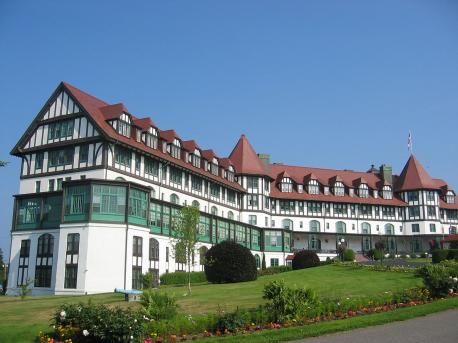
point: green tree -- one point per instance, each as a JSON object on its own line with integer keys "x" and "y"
{"x": 186, "y": 230}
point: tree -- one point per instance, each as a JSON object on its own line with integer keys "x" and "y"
{"x": 263, "y": 265}
{"x": 380, "y": 246}
{"x": 184, "y": 242}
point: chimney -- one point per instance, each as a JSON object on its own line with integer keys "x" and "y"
{"x": 386, "y": 173}
{"x": 265, "y": 159}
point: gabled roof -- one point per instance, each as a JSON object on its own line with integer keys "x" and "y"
{"x": 414, "y": 176}
{"x": 190, "y": 146}
{"x": 168, "y": 135}
{"x": 144, "y": 123}
{"x": 245, "y": 159}
{"x": 209, "y": 155}
{"x": 113, "y": 111}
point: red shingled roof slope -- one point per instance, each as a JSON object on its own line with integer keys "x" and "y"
{"x": 414, "y": 176}
{"x": 245, "y": 159}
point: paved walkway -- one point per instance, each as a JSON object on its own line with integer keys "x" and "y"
{"x": 440, "y": 327}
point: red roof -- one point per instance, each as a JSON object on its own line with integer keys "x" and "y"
{"x": 113, "y": 111}
{"x": 450, "y": 238}
{"x": 245, "y": 159}
{"x": 414, "y": 176}
{"x": 144, "y": 123}
{"x": 190, "y": 146}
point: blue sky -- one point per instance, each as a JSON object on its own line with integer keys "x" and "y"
{"x": 335, "y": 84}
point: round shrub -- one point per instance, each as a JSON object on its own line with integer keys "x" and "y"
{"x": 229, "y": 262}
{"x": 349, "y": 255}
{"x": 305, "y": 259}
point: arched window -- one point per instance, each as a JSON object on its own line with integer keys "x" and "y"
{"x": 313, "y": 187}
{"x": 340, "y": 227}
{"x": 153, "y": 249}
{"x": 363, "y": 190}
{"x": 286, "y": 185}
{"x": 366, "y": 244}
{"x": 387, "y": 193}
{"x": 230, "y": 215}
{"x": 214, "y": 211}
{"x": 119, "y": 178}
{"x": 314, "y": 226}
{"x": 258, "y": 261}
{"x": 174, "y": 199}
{"x": 366, "y": 228}
{"x": 389, "y": 229}
{"x": 202, "y": 251}
{"x": 339, "y": 189}
{"x": 43, "y": 269}
{"x": 195, "y": 204}
{"x": 287, "y": 224}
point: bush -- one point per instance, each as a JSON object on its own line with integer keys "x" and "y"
{"x": 349, "y": 255}
{"x": 305, "y": 259}
{"x": 440, "y": 278}
{"x": 287, "y": 303}
{"x": 452, "y": 254}
{"x": 157, "y": 305}
{"x": 439, "y": 255}
{"x": 424, "y": 255}
{"x": 96, "y": 323}
{"x": 232, "y": 321}
{"x": 274, "y": 270}
{"x": 370, "y": 253}
{"x": 230, "y": 262}
{"x": 181, "y": 278}
{"x": 377, "y": 254}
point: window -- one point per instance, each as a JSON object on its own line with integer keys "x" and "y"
{"x": 59, "y": 184}
{"x": 151, "y": 138}
{"x": 76, "y": 203}
{"x": 365, "y": 210}
{"x": 363, "y": 191}
{"x": 430, "y": 196}
{"x": 415, "y": 228}
{"x": 315, "y": 243}
{"x": 230, "y": 174}
{"x": 124, "y": 127}
{"x": 195, "y": 204}
{"x": 151, "y": 166}
{"x": 153, "y": 250}
{"x": 214, "y": 190}
{"x": 138, "y": 162}
{"x": 253, "y": 200}
{"x": 340, "y": 209}
{"x": 214, "y": 167}
{"x": 60, "y": 129}
{"x": 450, "y": 197}
{"x": 24, "y": 256}
{"x": 51, "y": 185}
{"x": 84, "y": 153}
{"x": 252, "y": 220}
{"x": 313, "y": 187}
{"x": 287, "y": 206}
{"x": 286, "y": 185}
{"x": 196, "y": 183}
{"x": 195, "y": 159}
{"x": 61, "y": 157}
{"x": 44, "y": 262}
{"x": 214, "y": 211}
{"x": 138, "y": 205}
{"x": 274, "y": 262}
{"x": 340, "y": 227}
{"x": 252, "y": 182}
{"x": 287, "y": 224}
{"x": 389, "y": 229}
{"x": 202, "y": 252}
{"x": 273, "y": 238}
{"x": 432, "y": 227}
{"x": 314, "y": 207}
{"x": 174, "y": 199}
{"x": 123, "y": 156}
{"x": 231, "y": 196}
{"x": 29, "y": 211}
{"x": 431, "y": 211}
{"x": 258, "y": 261}
{"x": 175, "y": 149}
{"x": 175, "y": 175}
{"x": 366, "y": 228}
{"x": 412, "y": 196}
{"x": 314, "y": 226}
{"x": 137, "y": 253}
{"x": 339, "y": 189}
{"x": 387, "y": 192}
{"x": 71, "y": 261}
{"x": 108, "y": 202}
{"x": 388, "y": 212}
{"x": 230, "y": 215}
{"x": 39, "y": 160}
{"x": 414, "y": 211}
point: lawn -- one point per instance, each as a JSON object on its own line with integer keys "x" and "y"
{"x": 21, "y": 320}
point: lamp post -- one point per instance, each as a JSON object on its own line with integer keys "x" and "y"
{"x": 341, "y": 248}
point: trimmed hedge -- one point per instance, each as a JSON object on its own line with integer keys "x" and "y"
{"x": 230, "y": 262}
{"x": 439, "y": 255}
{"x": 452, "y": 254}
{"x": 305, "y": 259}
{"x": 349, "y": 255}
{"x": 181, "y": 278}
{"x": 274, "y": 270}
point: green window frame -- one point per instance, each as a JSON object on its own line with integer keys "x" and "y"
{"x": 29, "y": 213}
{"x": 108, "y": 203}
{"x": 39, "y": 160}
{"x": 60, "y": 129}
{"x": 123, "y": 156}
{"x": 255, "y": 239}
{"x": 84, "y": 153}
{"x": 155, "y": 218}
{"x": 138, "y": 206}
{"x": 273, "y": 240}
{"x": 223, "y": 230}
{"x": 151, "y": 167}
{"x": 76, "y": 203}
{"x": 175, "y": 175}
{"x": 61, "y": 157}
{"x": 204, "y": 228}
{"x": 240, "y": 234}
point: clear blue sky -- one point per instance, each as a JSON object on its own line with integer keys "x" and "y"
{"x": 317, "y": 83}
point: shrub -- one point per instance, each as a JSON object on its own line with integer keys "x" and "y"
{"x": 378, "y": 254}
{"x": 370, "y": 253}
{"x": 440, "y": 278}
{"x": 287, "y": 303}
{"x": 424, "y": 255}
{"x": 181, "y": 278}
{"x": 230, "y": 262}
{"x": 232, "y": 321}
{"x": 158, "y": 306}
{"x": 452, "y": 254}
{"x": 96, "y": 323}
{"x": 349, "y": 255}
{"x": 274, "y": 270}
{"x": 305, "y": 259}
{"x": 439, "y": 255}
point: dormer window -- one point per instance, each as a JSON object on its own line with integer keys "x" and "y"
{"x": 363, "y": 191}
{"x": 339, "y": 189}
{"x": 175, "y": 149}
{"x": 449, "y": 197}
{"x": 230, "y": 174}
{"x": 195, "y": 159}
{"x": 123, "y": 125}
{"x": 387, "y": 193}
{"x": 313, "y": 187}
{"x": 151, "y": 138}
{"x": 214, "y": 166}
{"x": 286, "y": 185}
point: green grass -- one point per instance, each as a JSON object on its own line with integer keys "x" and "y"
{"x": 22, "y": 320}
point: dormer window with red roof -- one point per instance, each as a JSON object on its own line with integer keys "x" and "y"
{"x": 151, "y": 138}
{"x": 123, "y": 125}
{"x": 387, "y": 192}
{"x": 313, "y": 187}
{"x": 286, "y": 185}
{"x": 195, "y": 158}
{"x": 363, "y": 191}
{"x": 230, "y": 174}
{"x": 214, "y": 166}
{"x": 339, "y": 189}
{"x": 175, "y": 149}
{"x": 450, "y": 197}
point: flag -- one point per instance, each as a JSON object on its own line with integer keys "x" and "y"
{"x": 409, "y": 142}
